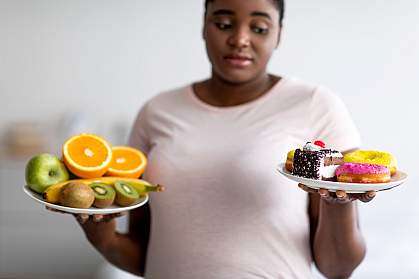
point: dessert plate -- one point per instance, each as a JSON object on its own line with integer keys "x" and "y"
{"x": 396, "y": 180}
{"x": 93, "y": 210}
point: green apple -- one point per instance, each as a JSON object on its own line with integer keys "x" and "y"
{"x": 43, "y": 171}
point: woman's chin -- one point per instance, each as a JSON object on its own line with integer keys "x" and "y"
{"x": 236, "y": 77}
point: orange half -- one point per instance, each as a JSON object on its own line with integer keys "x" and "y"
{"x": 127, "y": 162}
{"x": 87, "y": 155}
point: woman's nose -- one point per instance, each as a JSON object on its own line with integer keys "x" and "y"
{"x": 239, "y": 39}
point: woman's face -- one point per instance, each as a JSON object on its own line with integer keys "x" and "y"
{"x": 240, "y": 37}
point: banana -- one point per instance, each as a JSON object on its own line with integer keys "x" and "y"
{"x": 52, "y": 193}
{"x": 145, "y": 187}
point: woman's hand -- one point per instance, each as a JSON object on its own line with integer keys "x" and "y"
{"x": 85, "y": 218}
{"x": 339, "y": 197}
{"x": 99, "y": 229}
{"x": 127, "y": 251}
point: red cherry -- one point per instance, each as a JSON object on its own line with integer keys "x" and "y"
{"x": 320, "y": 143}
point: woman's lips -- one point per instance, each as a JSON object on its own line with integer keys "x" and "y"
{"x": 238, "y": 61}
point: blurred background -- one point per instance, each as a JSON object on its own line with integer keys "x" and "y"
{"x": 76, "y": 66}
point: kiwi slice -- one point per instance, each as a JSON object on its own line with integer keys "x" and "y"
{"x": 125, "y": 193}
{"x": 104, "y": 194}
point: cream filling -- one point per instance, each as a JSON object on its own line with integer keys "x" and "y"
{"x": 336, "y": 155}
{"x": 311, "y": 147}
{"x": 328, "y": 171}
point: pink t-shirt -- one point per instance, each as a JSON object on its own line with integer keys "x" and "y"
{"x": 227, "y": 213}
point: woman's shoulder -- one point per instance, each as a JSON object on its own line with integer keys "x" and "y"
{"x": 169, "y": 95}
{"x": 167, "y": 99}
{"x": 299, "y": 85}
{"x": 315, "y": 92}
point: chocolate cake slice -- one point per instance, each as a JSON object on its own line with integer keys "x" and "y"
{"x": 316, "y": 163}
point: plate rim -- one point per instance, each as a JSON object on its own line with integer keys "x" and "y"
{"x": 90, "y": 211}
{"x": 334, "y": 185}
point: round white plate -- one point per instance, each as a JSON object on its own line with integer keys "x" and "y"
{"x": 396, "y": 180}
{"x": 90, "y": 211}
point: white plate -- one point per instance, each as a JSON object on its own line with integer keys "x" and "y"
{"x": 396, "y": 180}
{"x": 92, "y": 210}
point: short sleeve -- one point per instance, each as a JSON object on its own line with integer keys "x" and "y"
{"x": 139, "y": 137}
{"x": 331, "y": 121}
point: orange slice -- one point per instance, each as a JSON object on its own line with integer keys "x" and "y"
{"x": 127, "y": 162}
{"x": 87, "y": 155}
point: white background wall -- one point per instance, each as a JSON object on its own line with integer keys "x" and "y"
{"x": 101, "y": 59}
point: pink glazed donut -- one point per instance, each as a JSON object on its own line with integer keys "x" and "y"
{"x": 362, "y": 173}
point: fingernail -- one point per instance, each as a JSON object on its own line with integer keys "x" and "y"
{"x": 81, "y": 219}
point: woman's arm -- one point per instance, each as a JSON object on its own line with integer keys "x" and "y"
{"x": 336, "y": 240}
{"x": 126, "y": 251}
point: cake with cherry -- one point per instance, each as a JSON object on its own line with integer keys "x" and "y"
{"x": 315, "y": 161}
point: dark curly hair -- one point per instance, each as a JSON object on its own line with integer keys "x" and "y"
{"x": 279, "y": 4}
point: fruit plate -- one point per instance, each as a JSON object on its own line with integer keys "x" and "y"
{"x": 93, "y": 210}
{"x": 396, "y": 180}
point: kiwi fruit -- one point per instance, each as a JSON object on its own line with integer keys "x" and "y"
{"x": 125, "y": 193}
{"x": 77, "y": 195}
{"x": 104, "y": 194}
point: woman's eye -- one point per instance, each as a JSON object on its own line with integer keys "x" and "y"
{"x": 260, "y": 30}
{"x": 223, "y": 26}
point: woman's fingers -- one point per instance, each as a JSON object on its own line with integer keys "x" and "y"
{"x": 347, "y": 198}
{"x": 97, "y": 218}
{"x": 82, "y": 218}
{"x": 340, "y": 197}
{"x": 368, "y": 196}
{"x": 327, "y": 196}
{"x": 324, "y": 193}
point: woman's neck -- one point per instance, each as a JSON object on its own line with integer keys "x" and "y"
{"x": 218, "y": 92}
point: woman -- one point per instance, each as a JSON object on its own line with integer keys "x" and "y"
{"x": 214, "y": 145}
